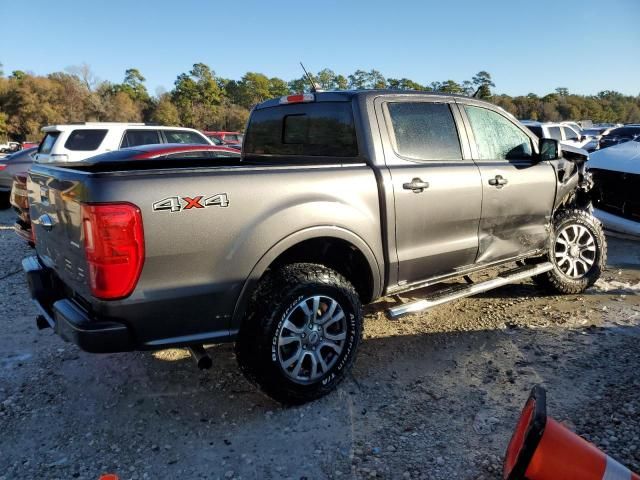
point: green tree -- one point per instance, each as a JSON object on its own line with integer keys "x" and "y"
{"x": 165, "y": 112}
{"x": 483, "y": 82}
{"x": 197, "y": 96}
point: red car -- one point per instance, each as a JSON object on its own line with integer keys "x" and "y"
{"x": 233, "y": 139}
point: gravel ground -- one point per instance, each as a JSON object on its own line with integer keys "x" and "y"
{"x": 432, "y": 396}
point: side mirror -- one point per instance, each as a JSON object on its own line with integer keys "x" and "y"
{"x": 549, "y": 149}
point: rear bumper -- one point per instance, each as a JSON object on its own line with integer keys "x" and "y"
{"x": 68, "y": 319}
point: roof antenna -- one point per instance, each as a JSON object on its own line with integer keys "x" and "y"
{"x": 314, "y": 87}
{"x": 475, "y": 95}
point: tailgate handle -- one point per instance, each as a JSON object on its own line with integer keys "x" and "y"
{"x": 45, "y": 221}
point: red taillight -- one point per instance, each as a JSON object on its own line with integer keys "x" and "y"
{"x": 114, "y": 246}
{"x": 3, "y": 166}
{"x": 299, "y": 98}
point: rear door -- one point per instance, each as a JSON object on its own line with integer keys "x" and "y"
{"x": 518, "y": 192}
{"x": 436, "y": 185}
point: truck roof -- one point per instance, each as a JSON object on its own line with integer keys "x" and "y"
{"x": 348, "y": 95}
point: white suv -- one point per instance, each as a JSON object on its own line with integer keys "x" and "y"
{"x": 565, "y": 134}
{"x": 75, "y": 142}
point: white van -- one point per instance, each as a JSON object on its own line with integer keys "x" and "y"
{"x": 75, "y": 142}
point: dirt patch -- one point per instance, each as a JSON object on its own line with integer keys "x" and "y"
{"x": 431, "y": 396}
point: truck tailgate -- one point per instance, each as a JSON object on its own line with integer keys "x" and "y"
{"x": 57, "y": 224}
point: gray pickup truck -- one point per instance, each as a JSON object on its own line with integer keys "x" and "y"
{"x": 339, "y": 198}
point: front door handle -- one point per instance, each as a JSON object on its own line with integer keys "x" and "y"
{"x": 417, "y": 185}
{"x": 498, "y": 181}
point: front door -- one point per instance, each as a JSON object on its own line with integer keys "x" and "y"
{"x": 517, "y": 191}
{"x": 437, "y": 189}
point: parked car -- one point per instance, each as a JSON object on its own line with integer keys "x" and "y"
{"x": 594, "y": 134}
{"x": 75, "y": 142}
{"x": 338, "y": 199}
{"x": 173, "y": 152}
{"x": 616, "y": 173}
{"x": 217, "y": 141}
{"x": 620, "y": 135}
{"x": 11, "y": 165}
{"x": 9, "y": 147}
{"x": 232, "y": 138}
{"x": 565, "y": 134}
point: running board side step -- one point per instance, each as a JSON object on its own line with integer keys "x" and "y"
{"x": 456, "y": 293}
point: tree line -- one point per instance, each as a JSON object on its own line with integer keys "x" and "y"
{"x": 200, "y": 99}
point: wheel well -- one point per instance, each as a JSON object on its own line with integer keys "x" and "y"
{"x": 337, "y": 254}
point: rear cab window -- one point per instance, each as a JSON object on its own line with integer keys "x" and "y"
{"x": 322, "y": 129}
{"x": 85, "y": 140}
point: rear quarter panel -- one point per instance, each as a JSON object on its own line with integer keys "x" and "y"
{"x": 197, "y": 260}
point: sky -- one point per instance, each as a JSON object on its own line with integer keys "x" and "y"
{"x": 528, "y": 46}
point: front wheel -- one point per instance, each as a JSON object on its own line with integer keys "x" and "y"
{"x": 578, "y": 252}
{"x": 302, "y": 333}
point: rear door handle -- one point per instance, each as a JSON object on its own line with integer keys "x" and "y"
{"x": 417, "y": 185}
{"x": 498, "y": 181}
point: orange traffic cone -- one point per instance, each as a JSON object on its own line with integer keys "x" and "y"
{"x": 543, "y": 449}
{"x": 109, "y": 476}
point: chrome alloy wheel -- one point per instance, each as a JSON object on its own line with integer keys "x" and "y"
{"x": 311, "y": 338}
{"x": 575, "y": 251}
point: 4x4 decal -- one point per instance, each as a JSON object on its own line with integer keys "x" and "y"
{"x": 178, "y": 203}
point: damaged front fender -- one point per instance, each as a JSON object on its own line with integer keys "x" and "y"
{"x": 573, "y": 180}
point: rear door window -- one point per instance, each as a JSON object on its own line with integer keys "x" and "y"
{"x": 133, "y": 138}
{"x": 85, "y": 140}
{"x": 48, "y": 142}
{"x": 569, "y": 134}
{"x": 309, "y": 129}
{"x": 554, "y": 132}
{"x": 424, "y": 131}
{"x": 181, "y": 136}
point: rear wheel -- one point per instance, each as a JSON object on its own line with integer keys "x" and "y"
{"x": 578, "y": 252}
{"x": 302, "y": 333}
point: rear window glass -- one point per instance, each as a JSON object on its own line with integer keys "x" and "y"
{"x": 537, "y": 131}
{"x": 425, "y": 131}
{"x": 85, "y": 140}
{"x": 310, "y": 129}
{"x": 133, "y": 138}
{"x": 554, "y": 132}
{"x": 180, "y": 136}
{"x": 48, "y": 142}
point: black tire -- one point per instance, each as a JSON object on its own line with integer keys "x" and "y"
{"x": 559, "y": 281}
{"x": 278, "y": 298}
{"x": 4, "y": 200}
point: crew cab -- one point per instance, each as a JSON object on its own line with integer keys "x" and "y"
{"x": 338, "y": 198}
